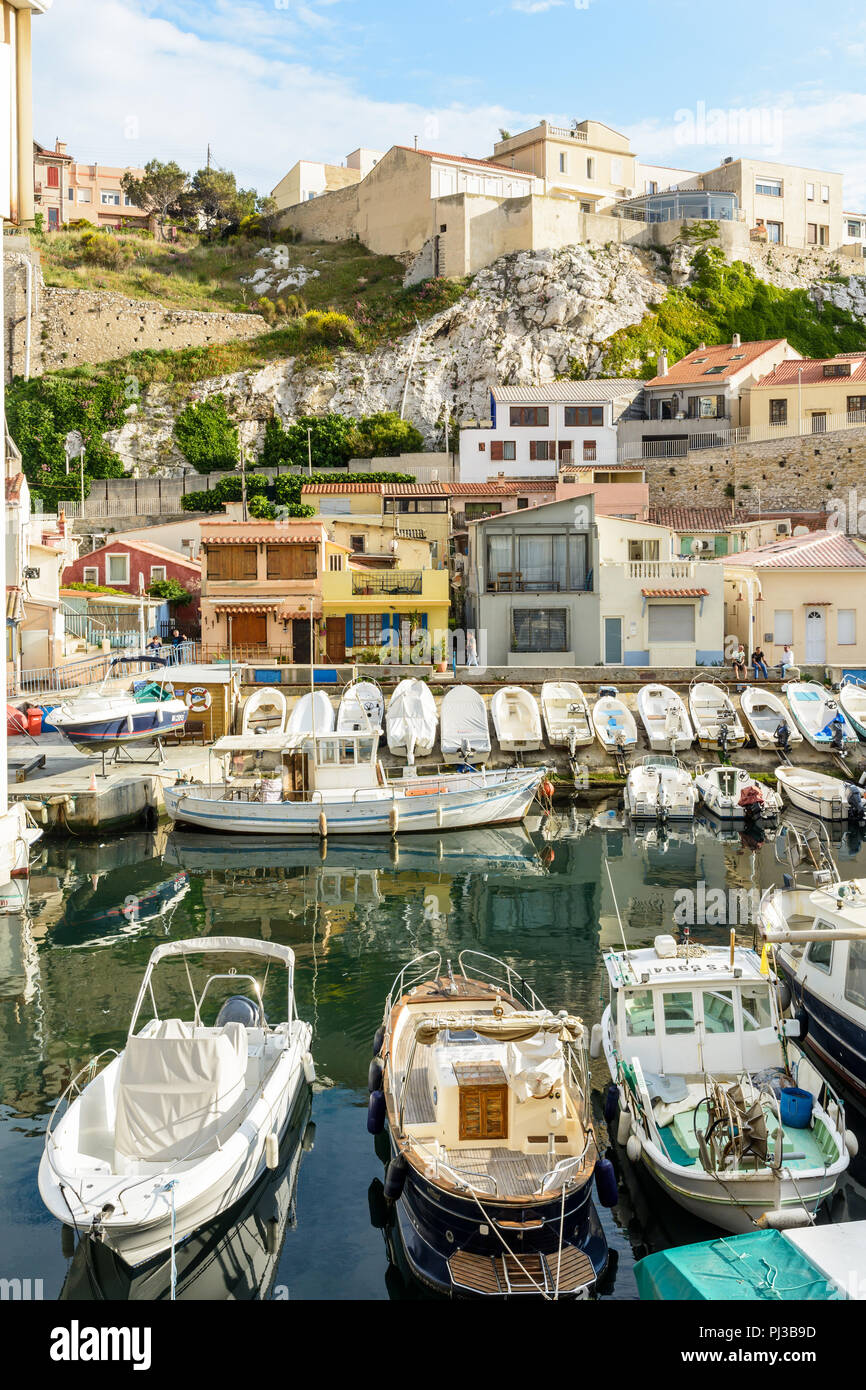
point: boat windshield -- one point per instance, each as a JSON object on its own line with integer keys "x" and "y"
{"x": 661, "y": 760}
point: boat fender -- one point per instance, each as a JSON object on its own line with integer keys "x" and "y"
{"x": 611, "y": 1104}
{"x": 780, "y": 1219}
{"x": 374, "y": 1075}
{"x": 309, "y": 1068}
{"x": 395, "y": 1178}
{"x": 803, "y": 1020}
{"x": 393, "y": 820}
{"x": 632, "y": 1148}
{"x": 378, "y": 1039}
{"x": 605, "y": 1183}
{"x": 323, "y": 826}
{"x": 852, "y": 1143}
{"x": 272, "y": 1150}
{"x": 272, "y": 1235}
{"x": 67, "y": 1241}
{"x": 623, "y": 1127}
{"x": 783, "y": 995}
{"x": 376, "y": 1113}
{"x": 595, "y": 1038}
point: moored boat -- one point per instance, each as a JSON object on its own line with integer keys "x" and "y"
{"x": 464, "y": 735}
{"x": 313, "y": 714}
{"x": 732, "y": 794}
{"x": 771, "y": 1266}
{"x": 411, "y": 721}
{"x": 665, "y": 718}
{"x": 567, "y": 720}
{"x": 112, "y": 715}
{"x": 660, "y": 787}
{"x": 852, "y": 698}
{"x": 516, "y": 719}
{"x": 817, "y": 715}
{"x": 264, "y": 710}
{"x": 362, "y": 706}
{"x": 827, "y": 797}
{"x": 716, "y": 723}
{"x": 769, "y": 719}
{"x": 613, "y": 721}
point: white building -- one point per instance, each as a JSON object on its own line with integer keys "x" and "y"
{"x": 658, "y": 178}
{"x": 534, "y": 431}
{"x": 854, "y": 230}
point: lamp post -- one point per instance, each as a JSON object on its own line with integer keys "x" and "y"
{"x": 309, "y": 451}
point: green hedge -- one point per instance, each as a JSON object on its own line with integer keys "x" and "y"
{"x": 206, "y": 436}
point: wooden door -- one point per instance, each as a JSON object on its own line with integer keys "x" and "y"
{"x": 250, "y": 629}
{"x": 335, "y": 640}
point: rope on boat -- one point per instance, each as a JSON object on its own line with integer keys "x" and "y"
{"x": 520, "y": 1265}
{"x": 169, "y": 1187}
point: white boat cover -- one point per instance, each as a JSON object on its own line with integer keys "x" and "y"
{"x": 411, "y": 719}
{"x": 301, "y": 717}
{"x": 177, "y": 1089}
{"x": 362, "y": 705}
{"x": 463, "y": 719}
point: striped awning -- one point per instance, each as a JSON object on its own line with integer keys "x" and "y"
{"x": 230, "y": 605}
{"x": 675, "y": 593}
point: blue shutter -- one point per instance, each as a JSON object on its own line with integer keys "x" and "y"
{"x": 424, "y": 621}
{"x": 493, "y": 409}
{"x": 349, "y": 631}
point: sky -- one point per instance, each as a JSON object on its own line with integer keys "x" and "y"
{"x": 267, "y": 82}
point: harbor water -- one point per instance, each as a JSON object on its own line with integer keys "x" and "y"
{"x": 354, "y": 913}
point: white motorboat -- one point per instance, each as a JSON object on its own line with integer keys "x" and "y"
{"x": 731, "y": 794}
{"x": 852, "y": 698}
{"x": 713, "y": 1095}
{"x": 140, "y": 708}
{"x": 660, "y": 787}
{"x": 567, "y": 720}
{"x": 362, "y": 707}
{"x": 716, "y": 723}
{"x": 665, "y": 718}
{"x": 820, "y": 795}
{"x": 313, "y": 714}
{"x": 614, "y": 723}
{"x": 178, "y": 1126}
{"x": 818, "y": 716}
{"x": 516, "y": 719}
{"x": 411, "y": 720}
{"x": 319, "y": 784}
{"x": 769, "y": 718}
{"x": 464, "y": 735}
{"x": 265, "y": 709}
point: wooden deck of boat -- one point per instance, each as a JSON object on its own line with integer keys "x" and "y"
{"x": 444, "y": 990}
{"x": 419, "y": 1108}
{"x": 516, "y": 1174}
{"x": 502, "y": 1274}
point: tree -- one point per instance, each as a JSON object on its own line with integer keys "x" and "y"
{"x": 384, "y": 435}
{"x": 206, "y": 436}
{"x": 170, "y": 591}
{"x": 329, "y": 442}
{"x": 214, "y": 196}
{"x": 159, "y": 191}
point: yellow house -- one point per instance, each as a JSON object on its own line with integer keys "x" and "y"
{"x": 386, "y": 605}
{"x": 806, "y": 591}
{"x": 367, "y": 517}
{"x": 811, "y": 396}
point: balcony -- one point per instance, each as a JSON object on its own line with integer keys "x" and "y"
{"x": 388, "y": 582}
{"x": 661, "y": 569}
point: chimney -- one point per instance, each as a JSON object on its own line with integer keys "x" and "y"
{"x": 662, "y": 364}
{"x": 736, "y": 342}
{"x": 702, "y": 347}
{"x": 59, "y": 146}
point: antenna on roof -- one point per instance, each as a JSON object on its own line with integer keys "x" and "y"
{"x": 416, "y": 142}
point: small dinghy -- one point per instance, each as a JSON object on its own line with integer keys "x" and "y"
{"x": 411, "y": 721}
{"x": 769, "y": 719}
{"x": 731, "y": 794}
{"x": 818, "y": 716}
{"x": 613, "y": 721}
{"x": 464, "y": 736}
{"x": 362, "y": 707}
{"x": 516, "y": 719}
{"x": 820, "y": 795}
{"x": 264, "y": 710}
{"x": 660, "y": 787}
{"x": 313, "y": 714}
{"x": 665, "y": 718}
{"x": 184, "y": 1120}
{"x": 852, "y": 698}
{"x": 567, "y": 719}
{"x": 716, "y": 722}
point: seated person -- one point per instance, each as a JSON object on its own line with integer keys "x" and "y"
{"x": 759, "y": 664}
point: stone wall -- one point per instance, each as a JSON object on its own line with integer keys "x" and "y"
{"x": 17, "y": 257}
{"x": 805, "y": 472}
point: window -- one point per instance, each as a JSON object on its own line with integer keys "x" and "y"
{"x": 529, "y": 415}
{"x": 586, "y": 415}
{"x": 291, "y": 561}
{"x": 820, "y": 954}
{"x": 679, "y": 1011}
{"x": 91, "y": 574}
{"x": 837, "y": 369}
{"x": 53, "y": 176}
{"x": 158, "y": 574}
{"x": 825, "y": 193}
{"x": 770, "y": 188}
{"x": 563, "y": 164}
{"x": 475, "y": 509}
{"x": 367, "y": 629}
{"x": 774, "y": 232}
{"x": 854, "y": 229}
{"x": 671, "y": 622}
{"x": 231, "y": 562}
{"x": 856, "y": 404}
{"x": 810, "y": 192}
{"x": 706, "y": 408}
{"x": 127, "y": 201}
{"x": 846, "y": 627}
{"x": 714, "y": 371}
{"x": 590, "y": 168}
{"x": 335, "y": 563}
{"x": 535, "y": 630}
{"x": 586, "y": 207}
{"x": 639, "y": 1016}
{"x": 811, "y": 233}
{"x": 719, "y": 1014}
{"x": 110, "y": 199}
{"x": 54, "y": 218}
{"x": 855, "y": 974}
{"x": 779, "y": 412}
{"x": 757, "y": 1012}
{"x": 522, "y": 502}
{"x": 85, "y": 195}
{"x": 783, "y": 627}
{"x": 502, "y": 450}
{"x": 117, "y": 569}
{"x": 70, "y": 193}
{"x": 357, "y": 543}
{"x": 540, "y": 450}
{"x": 589, "y": 451}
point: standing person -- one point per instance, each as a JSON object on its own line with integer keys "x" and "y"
{"x": 471, "y": 649}
{"x": 154, "y": 644}
{"x": 759, "y": 664}
{"x": 176, "y": 639}
{"x": 786, "y": 659}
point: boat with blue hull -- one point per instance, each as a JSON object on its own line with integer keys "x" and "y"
{"x": 493, "y": 1152}
{"x": 118, "y": 712}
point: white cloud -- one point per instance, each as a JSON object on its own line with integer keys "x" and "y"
{"x": 535, "y": 6}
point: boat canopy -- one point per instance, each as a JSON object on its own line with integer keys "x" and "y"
{"x": 513, "y": 1027}
{"x": 759, "y": 1265}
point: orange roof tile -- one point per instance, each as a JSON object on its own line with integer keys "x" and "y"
{"x": 695, "y": 366}
{"x": 675, "y": 593}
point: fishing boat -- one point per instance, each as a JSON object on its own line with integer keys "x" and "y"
{"x": 567, "y": 720}
{"x": 173, "y": 1130}
{"x": 731, "y": 794}
{"x": 815, "y": 927}
{"x": 660, "y": 787}
{"x": 319, "y": 784}
{"x": 362, "y": 706}
{"x": 116, "y": 713}
{"x": 516, "y": 719}
{"x": 487, "y": 1098}
{"x": 613, "y": 721}
{"x": 820, "y": 795}
{"x": 464, "y": 735}
{"x": 852, "y": 699}
{"x": 817, "y": 715}
{"x": 313, "y": 714}
{"x": 711, "y": 1092}
{"x": 665, "y": 718}
{"x": 769, "y": 719}
{"x": 411, "y": 720}
{"x": 821, "y": 1262}
{"x": 717, "y": 724}
{"x": 265, "y": 709}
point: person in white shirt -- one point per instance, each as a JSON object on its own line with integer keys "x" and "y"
{"x": 471, "y": 650}
{"x": 786, "y": 659}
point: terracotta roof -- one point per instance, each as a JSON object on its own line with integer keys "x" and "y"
{"x": 464, "y": 159}
{"x": 383, "y": 489}
{"x": 41, "y": 152}
{"x": 675, "y": 593}
{"x": 235, "y": 605}
{"x": 817, "y": 550}
{"x": 253, "y": 538}
{"x": 692, "y": 518}
{"x": 694, "y": 367}
{"x": 596, "y": 390}
{"x": 812, "y": 368}
{"x": 13, "y": 487}
{"x": 505, "y": 486}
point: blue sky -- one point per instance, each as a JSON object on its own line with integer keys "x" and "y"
{"x": 270, "y": 81}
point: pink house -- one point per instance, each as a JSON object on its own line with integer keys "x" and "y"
{"x": 132, "y": 566}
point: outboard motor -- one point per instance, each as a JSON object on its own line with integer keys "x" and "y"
{"x": 723, "y": 737}
{"x": 837, "y": 738}
{"x": 856, "y": 804}
{"x": 783, "y": 736}
{"x": 238, "y": 1008}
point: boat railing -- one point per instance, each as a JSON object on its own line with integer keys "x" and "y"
{"x": 565, "y": 1171}
{"x": 506, "y": 977}
{"x": 72, "y": 1089}
{"x": 404, "y": 982}
{"x": 463, "y": 1177}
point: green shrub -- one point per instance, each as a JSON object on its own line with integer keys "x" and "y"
{"x": 41, "y": 412}
{"x": 331, "y": 328}
{"x": 261, "y": 507}
{"x": 99, "y": 248}
{"x": 170, "y": 591}
{"x": 206, "y": 436}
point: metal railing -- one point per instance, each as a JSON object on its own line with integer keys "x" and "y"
{"x": 390, "y": 582}
{"x": 46, "y": 681}
{"x": 724, "y": 436}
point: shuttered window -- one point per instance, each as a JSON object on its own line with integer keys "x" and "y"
{"x": 231, "y": 562}
{"x": 672, "y": 622}
{"x": 291, "y": 562}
